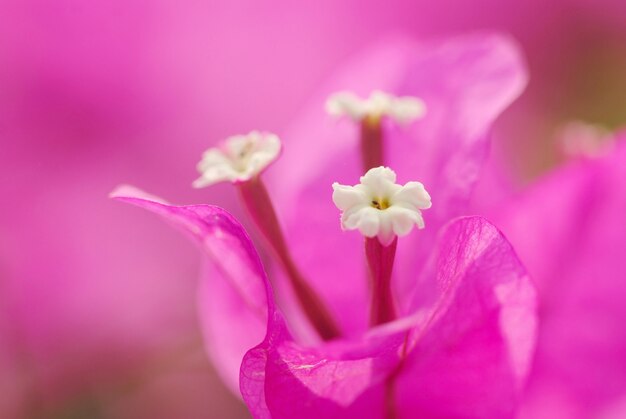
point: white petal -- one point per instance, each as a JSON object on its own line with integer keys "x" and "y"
{"x": 365, "y": 219}
{"x": 212, "y": 157}
{"x": 345, "y": 104}
{"x": 379, "y": 103}
{"x": 386, "y": 235}
{"x": 379, "y": 181}
{"x": 414, "y": 194}
{"x": 404, "y": 219}
{"x": 407, "y": 109}
{"x": 346, "y": 197}
{"x": 215, "y": 175}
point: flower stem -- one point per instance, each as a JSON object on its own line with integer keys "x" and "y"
{"x": 372, "y": 150}
{"x": 380, "y": 262}
{"x": 259, "y": 205}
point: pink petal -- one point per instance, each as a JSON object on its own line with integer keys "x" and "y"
{"x": 570, "y": 229}
{"x": 466, "y": 82}
{"x": 472, "y": 362}
{"x": 234, "y": 288}
{"x": 469, "y": 343}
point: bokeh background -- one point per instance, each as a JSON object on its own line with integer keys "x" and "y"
{"x": 97, "y": 301}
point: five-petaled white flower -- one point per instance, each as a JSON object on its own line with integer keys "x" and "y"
{"x": 238, "y": 159}
{"x": 380, "y": 207}
{"x": 402, "y": 110}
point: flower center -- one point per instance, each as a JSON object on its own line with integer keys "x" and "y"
{"x": 241, "y": 161}
{"x": 380, "y": 203}
{"x": 246, "y": 151}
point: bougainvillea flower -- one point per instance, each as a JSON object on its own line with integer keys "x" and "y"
{"x": 379, "y": 104}
{"x": 362, "y": 204}
{"x": 240, "y": 159}
{"x": 461, "y": 339}
{"x": 569, "y": 228}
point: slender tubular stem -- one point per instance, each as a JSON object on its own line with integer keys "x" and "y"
{"x": 259, "y": 205}
{"x": 372, "y": 148}
{"x": 380, "y": 262}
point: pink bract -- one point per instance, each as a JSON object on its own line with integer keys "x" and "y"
{"x": 569, "y": 228}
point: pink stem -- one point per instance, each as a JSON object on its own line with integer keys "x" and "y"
{"x": 258, "y": 204}
{"x": 372, "y": 150}
{"x": 380, "y": 262}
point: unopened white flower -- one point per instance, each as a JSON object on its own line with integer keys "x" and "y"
{"x": 378, "y": 207}
{"x": 238, "y": 159}
{"x": 379, "y": 104}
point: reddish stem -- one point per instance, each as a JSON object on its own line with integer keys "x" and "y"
{"x": 372, "y": 150}
{"x": 258, "y": 204}
{"x": 380, "y": 262}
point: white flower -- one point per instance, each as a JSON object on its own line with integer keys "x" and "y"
{"x": 238, "y": 159}
{"x": 401, "y": 109}
{"x": 380, "y": 207}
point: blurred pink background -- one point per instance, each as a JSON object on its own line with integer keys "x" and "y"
{"x": 98, "y": 322}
